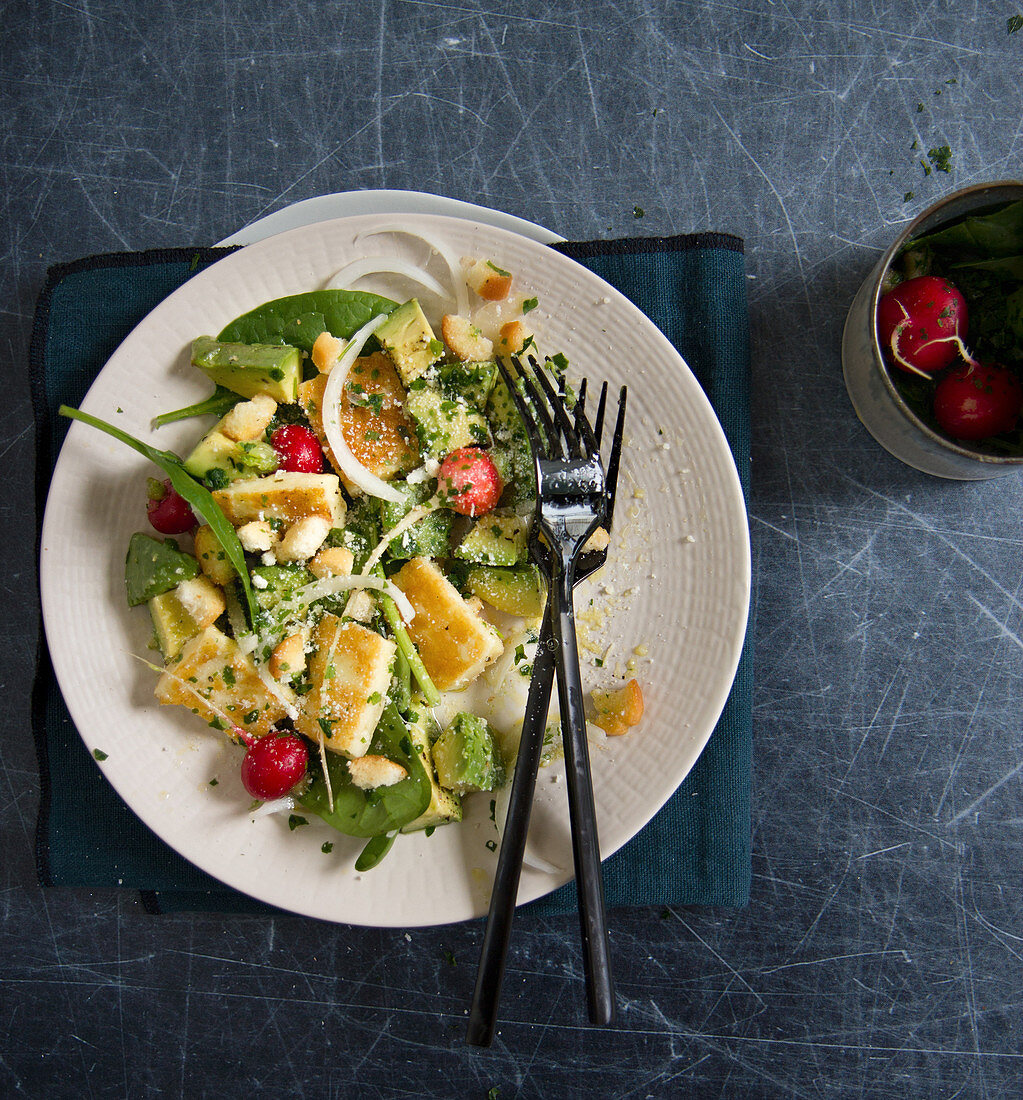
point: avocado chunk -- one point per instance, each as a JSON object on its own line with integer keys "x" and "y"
{"x": 513, "y": 591}
{"x": 272, "y": 584}
{"x": 443, "y": 424}
{"x": 430, "y": 537}
{"x": 173, "y": 624}
{"x": 510, "y": 453}
{"x": 154, "y": 566}
{"x": 495, "y": 540}
{"x": 469, "y": 382}
{"x": 233, "y": 459}
{"x": 444, "y": 805}
{"x": 248, "y": 369}
{"x": 466, "y": 756}
{"x": 408, "y": 339}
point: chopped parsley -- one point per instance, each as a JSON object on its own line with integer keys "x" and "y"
{"x": 529, "y": 305}
{"x": 941, "y": 158}
{"x": 99, "y": 754}
{"x": 1013, "y": 24}
{"x": 294, "y": 821}
{"x": 500, "y": 270}
{"x": 638, "y": 211}
{"x": 327, "y": 847}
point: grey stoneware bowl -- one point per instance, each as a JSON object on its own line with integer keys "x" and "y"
{"x": 875, "y": 398}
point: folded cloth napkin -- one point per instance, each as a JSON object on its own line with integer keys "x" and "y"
{"x": 696, "y": 851}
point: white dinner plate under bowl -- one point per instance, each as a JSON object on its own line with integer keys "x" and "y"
{"x": 669, "y": 609}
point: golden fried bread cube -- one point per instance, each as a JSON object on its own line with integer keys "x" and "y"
{"x": 285, "y": 496}
{"x": 456, "y": 645}
{"x": 350, "y": 672}
{"x": 373, "y": 419}
{"x": 214, "y": 678}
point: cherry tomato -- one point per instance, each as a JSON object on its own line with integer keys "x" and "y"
{"x": 298, "y": 449}
{"x": 167, "y": 510}
{"x": 974, "y": 402}
{"x": 922, "y": 323}
{"x": 469, "y": 479}
{"x": 273, "y": 764}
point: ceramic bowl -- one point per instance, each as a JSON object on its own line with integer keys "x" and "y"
{"x": 877, "y": 401}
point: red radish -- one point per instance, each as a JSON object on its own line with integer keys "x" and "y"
{"x": 167, "y": 510}
{"x": 298, "y": 449}
{"x": 922, "y": 323}
{"x": 273, "y": 764}
{"x": 976, "y": 401}
{"x": 469, "y": 480}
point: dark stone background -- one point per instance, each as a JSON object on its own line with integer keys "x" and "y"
{"x": 880, "y": 954}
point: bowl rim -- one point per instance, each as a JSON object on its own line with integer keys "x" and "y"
{"x": 875, "y": 297}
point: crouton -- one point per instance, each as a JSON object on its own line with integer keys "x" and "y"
{"x": 249, "y": 419}
{"x": 256, "y": 536}
{"x": 619, "y": 709}
{"x": 514, "y": 337}
{"x": 327, "y": 350}
{"x": 212, "y": 559}
{"x": 288, "y": 658}
{"x": 202, "y": 599}
{"x": 464, "y": 340}
{"x": 332, "y": 561}
{"x": 303, "y": 539}
{"x": 368, "y": 772}
{"x": 488, "y": 280}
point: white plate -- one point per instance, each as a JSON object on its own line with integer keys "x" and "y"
{"x": 681, "y": 544}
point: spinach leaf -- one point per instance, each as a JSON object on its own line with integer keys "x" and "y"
{"x": 197, "y": 495}
{"x": 980, "y": 236}
{"x": 376, "y": 848}
{"x": 219, "y": 403}
{"x": 371, "y": 813}
{"x": 298, "y": 319}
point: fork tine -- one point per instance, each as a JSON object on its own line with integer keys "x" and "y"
{"x": 614, "y": 458}
{"x": 598, "y": 424}
{"x": 557, "y": 404}
{"x": 540, "y": 411}
{"x": 535, "y": 440}
{"x": 584, "y": 429}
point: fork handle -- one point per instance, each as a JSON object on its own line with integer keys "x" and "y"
{"x": 585, "y": 846}
{"x": 483, "y": 1013}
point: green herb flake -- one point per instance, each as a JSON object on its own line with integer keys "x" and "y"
{"x": 941, "y": 158}
{"x": 251, "y": 716}
{"x": 99, "y": 754}
{"x": 449, "y": 958}
{"x": 520, "y": 653}
{"x": 907, "y": 196}
{"x": 294, "y": 821}
{"x": 325, "y": 727}
{"x": 500, "y": 270}
{"x": 491, "y": 845}
{"x": 214, "y": 781}
{"x": 529, "y": 305}
{"x": 638, "y": 211}
{"x": 327, "y": 847}
{"x": 227, "y": 675}
{"x": 1013, "y": 24}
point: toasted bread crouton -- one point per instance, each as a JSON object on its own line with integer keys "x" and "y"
{"x": 361, "y": 606}
{"x": 202, "y": 599}
{"x": 350, "y": 670}
{"x": 514, "y": 337}
{"x": 249, "y": 419}
{"x": 285, "y": 496}
{"x": 332, "y": 561}
{"x": 256, "y": 536}
{"x": 327, "y": 350}
{"x": 618, "y": 710}
{"x": 303, "y": 539}
{"x": 369, "y": 772}
{"x": 488, "y": 280}
{"x": 212, "y": 672}
{"x": 372, "y": 416}
{"x": 212, "y": 559}
{"x": 599, "y": 540}
{"x": 464, "y": 340}
{"x": 288, "y": 658}
{"x": 456, "y": 645}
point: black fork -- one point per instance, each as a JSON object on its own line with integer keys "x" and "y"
{"x": 579, "y": 498}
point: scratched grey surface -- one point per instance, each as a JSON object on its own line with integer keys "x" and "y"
{"x": 881, "y": 953}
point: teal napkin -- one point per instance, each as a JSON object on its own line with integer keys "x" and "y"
{"x": 696, "y": 851}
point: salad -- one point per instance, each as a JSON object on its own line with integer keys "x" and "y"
{"x": 950, "y": 324}
{"x": 337, "y": 573}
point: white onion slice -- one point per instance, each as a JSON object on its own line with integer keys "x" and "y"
{"x": 331, "y": 586}
{"x": 275, "y": 806}
{"x": 368, "y": 482}
{"x": 385, "y": 265}
{"x": 461, "y": 291}
{"x": 502, "y": 798}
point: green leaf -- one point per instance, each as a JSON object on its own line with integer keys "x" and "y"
{"x": 375, "y": 850}
{"x": 197, "y": 495}
{"x": 218, "y": 404}
{"x": 382, "y": 810}
{"x": 983, "y": 236}
{"x": 298, "y": 319}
